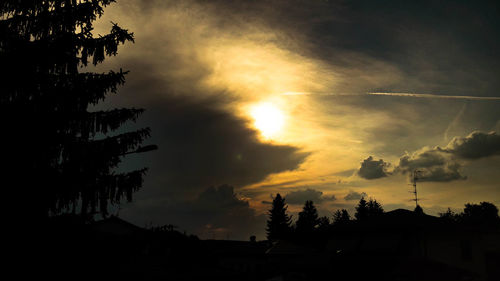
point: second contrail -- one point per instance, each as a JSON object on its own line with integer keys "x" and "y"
{"x": 411, "y": 95}
{"x": 432, "y": 96}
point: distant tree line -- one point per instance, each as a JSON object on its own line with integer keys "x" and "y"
{"x": 481, "y": 213}
{"x": 309, "y": 223}
{"x": 280, "y": 226}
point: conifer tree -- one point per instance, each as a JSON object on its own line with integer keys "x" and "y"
{"x": 278, "y": 224}
{"x": 323, "y": 223}
{"x": 308, "y": 218}
{"x": 341, "y": 217}
{"x": 366, "y": 210}
{"x": 361, "y": 210}
{"x": 58, "y": 152}
{"x": 374, "y": 208}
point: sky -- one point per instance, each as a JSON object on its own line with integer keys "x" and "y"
{"x": 316, "y": 100}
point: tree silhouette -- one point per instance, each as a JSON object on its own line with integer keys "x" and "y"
{"x": 450, "y": 216}
{"x": 361, "y": 210}
{"x": 374, "y": 208}
{"x": 308, "y": 219}
{"x": 58, "y": 151}
{"x": 341, "y": 217}
{"x": 278, "y": 224}
{"x": 323, "y": 223}
{"x": 366, "y": 210}
{"x": 483, "y": 212}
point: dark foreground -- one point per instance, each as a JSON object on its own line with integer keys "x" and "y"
{"x": 399, "y": 246}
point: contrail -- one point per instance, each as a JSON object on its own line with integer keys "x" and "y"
{"x": 321, "y": 94}
{"x": 455, "y": 121}
{"x": 411, "y": 95}
{"x": 432, "y": 96}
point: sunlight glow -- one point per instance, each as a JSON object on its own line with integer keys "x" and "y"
{"x": 268, "y": 119}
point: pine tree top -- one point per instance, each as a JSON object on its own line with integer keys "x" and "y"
{"x": 44, "y": 44}
{"x": 278, "y": 224}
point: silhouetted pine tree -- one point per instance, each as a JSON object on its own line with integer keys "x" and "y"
{"x": 57, "y": 150}
{"x": 361, "y": 210}
{"x": 278, "y": 224}
{"x": 374, "y": 208}
{"x": 341, "y": 217}
{"x": 308, "y": 219}
{"x": 323, "y": 222}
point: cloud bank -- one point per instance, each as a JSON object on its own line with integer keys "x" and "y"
{"x": 353, "y": 195}
{"x": 474, "y": 146}
{"x": 373, "y": 169}
{"x": 301, "y": 196}
{"x": 438, "y": 164}
{"x": 217, "y": 212}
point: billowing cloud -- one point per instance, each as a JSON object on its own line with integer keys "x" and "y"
{"x": 373, "y": 169}
{"x": 438, "y": 164}
{"x": 353, "y": 195}
{"x": 449, "y": 172}
{"x": 301, "y": 196}
{"x": 476, "y": 145}
{"x": 432, "y": 164}
{"x": 204, "y": 145}
{"x": 216, "y": 213}
{"x": 423, "y": 158}
{"x": 442, "y": 164}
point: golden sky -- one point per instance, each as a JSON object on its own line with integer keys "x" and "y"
{"x": 291, "y": 85}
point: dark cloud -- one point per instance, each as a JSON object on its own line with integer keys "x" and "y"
{"x": 418, "y": 45}
{"x": 425, "y": 158}
{"x": 449, "y": 172}
{"x": 441, "y": 164}
{"x": 203, "y": 145}
{"x": 411, "y": 47}
{"x": 433, "y": 164}
{"x": 373, "y": 169}
{"x": 476, "y": 145}
{"x": 216, "y": 212}
{"x": 353, "y": 195}
{"x": 301, "y": 196}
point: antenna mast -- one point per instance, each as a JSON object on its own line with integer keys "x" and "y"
{"x": 415, "y": 178}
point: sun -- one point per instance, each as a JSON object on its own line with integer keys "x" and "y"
{"x": 268, "y": 119}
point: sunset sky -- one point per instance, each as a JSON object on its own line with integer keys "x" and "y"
{"x": 317, "y": 100}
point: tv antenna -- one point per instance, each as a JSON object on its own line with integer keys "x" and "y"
{"x": 416, "y": 173}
